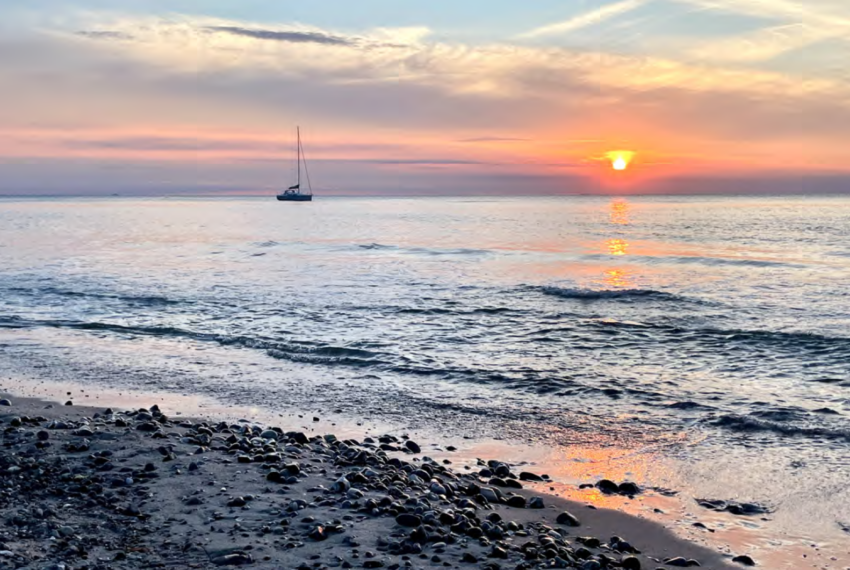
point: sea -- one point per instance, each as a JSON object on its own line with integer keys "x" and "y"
{"x": 699, "y": 346}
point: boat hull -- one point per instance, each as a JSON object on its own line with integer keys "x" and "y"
{"x": 294, "y": 198}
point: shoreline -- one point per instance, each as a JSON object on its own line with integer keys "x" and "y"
{"x": 166, "y": 497}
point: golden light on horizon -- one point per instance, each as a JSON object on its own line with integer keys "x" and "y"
{"x": 620, "y": 159}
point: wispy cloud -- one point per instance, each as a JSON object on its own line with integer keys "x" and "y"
{"x": 283, "y": 36}
{"x": 584, "y": 20}
{"x": 492, "y": 139}
{"x": 762, "y": 45}
{"x": 798, "y": 25}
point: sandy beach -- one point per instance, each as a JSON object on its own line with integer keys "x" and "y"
{"x": 87, "y": 487}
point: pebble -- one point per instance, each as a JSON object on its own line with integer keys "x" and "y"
{"x": 489, "y": 494}
{"x": 5, "y": 402}
{"x": 567, "y": 519}
{"x": 526, "y": 476}
{"x": 270, "y": 434}
{"x": 681, "y": 562}
{"x": 237, "y": 502}
{"x": 412, "y": 446}
{"x": 516, "y": 501}
{"x": 233, "y": 559}
{"x": 630, "y": 563}
{"x": 607, "y": 486}
{"x": 408, "y": 520}
{"x": 745, "y": 560}
{"x": 535, "y": 503}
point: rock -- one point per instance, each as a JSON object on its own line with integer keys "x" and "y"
{"x": 630, "y": 563}
{"x": 745, "y": 560}
{"x": 275, "y": 477}
{"x": 592, "y": 565}
{"x": 65, "y": 531}
{"x": 237, "y": 502}
{"x": 373, "y": 564}
{"x": 5, "y": 402}
{"x": 412, "y": 446}
{"x": 318, "y": 534}
{"x": 535, "y": 503}
{"x": 270, "y": 434}
{"x": 437, "y": 488}
{"x": 43, "y": 435}
{"x": 489, "y": 494}
{"x": 589, "y": 541}
{"x": 526, "y": 476}
{"x": 607, "y": 486}
{"x": 567, "y": 519}
{"x": 681, "y": 562}
{"x": 233, "y": 559}
{"x": 147, "y": 426}
{"x": 341, "y": 486}
{"x": 409, "y": 520}
{"x": 516, "y": 501}
{"x": 469, "y": 558}
{"x": 69, "y": 403}
{"x": 623, "y": 546}
{"x": 628, "y": 488}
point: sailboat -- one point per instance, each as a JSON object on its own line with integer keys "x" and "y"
{"x": 294, "y": 193}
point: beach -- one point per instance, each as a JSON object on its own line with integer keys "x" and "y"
{"x": 89, "y": 487}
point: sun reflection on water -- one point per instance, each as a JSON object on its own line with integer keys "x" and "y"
{"x": 619, "y": 212}
{"x": 618, "y": 215}
{"x": 617, "y": 246}
{"x": 616, "y": 279}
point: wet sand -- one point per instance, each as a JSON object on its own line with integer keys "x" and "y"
{"x": 85, "y": 488}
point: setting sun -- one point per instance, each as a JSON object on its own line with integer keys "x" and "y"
{"x": 620, "y": 159}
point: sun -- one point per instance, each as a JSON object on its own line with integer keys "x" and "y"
{"x": 620, "y": 159}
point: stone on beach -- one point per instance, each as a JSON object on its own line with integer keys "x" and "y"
{"x": 568, "y": 519}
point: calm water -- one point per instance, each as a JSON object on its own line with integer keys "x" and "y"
{"x": 717, "y": 329}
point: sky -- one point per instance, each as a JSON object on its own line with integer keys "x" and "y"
{"x": 442, "y": 97}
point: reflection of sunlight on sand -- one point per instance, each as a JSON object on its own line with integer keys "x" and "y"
{"x": 570, "y": 466}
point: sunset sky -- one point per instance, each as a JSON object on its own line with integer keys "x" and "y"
{"x": 412, "y": 97}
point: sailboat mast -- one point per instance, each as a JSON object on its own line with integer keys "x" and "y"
{"x": 299, "y": 157}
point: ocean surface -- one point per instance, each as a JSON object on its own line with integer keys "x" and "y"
{"x": 712, "y": 333}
